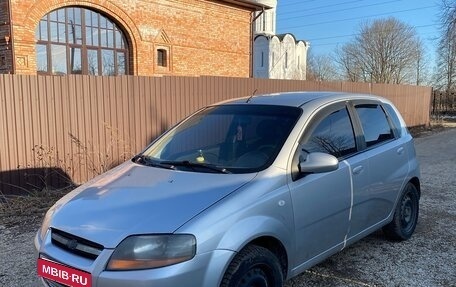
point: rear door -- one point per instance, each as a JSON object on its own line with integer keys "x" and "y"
{"x": 387, "y": 164}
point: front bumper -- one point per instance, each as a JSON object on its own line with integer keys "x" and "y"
{"x": 204, "y": 270}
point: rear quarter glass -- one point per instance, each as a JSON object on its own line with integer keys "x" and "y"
{"x": 395, "y": 119}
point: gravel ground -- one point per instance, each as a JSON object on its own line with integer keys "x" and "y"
{"x": 428, "y": 259}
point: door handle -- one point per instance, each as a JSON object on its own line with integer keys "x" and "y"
{"x": 358, "y": 169}
{"x": 400, "y": 150}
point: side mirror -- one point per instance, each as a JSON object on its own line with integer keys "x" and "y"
{"x": 318, "y": 162}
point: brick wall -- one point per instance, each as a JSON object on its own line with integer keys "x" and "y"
{"x": 5, "y": 47}
{"x": 203, "y": 37}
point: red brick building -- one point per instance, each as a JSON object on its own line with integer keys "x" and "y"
{"x": 116, "y": 37}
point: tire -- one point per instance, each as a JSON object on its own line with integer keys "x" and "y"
{"x": 405, "y": 215}
{"x": 253, "y": 266}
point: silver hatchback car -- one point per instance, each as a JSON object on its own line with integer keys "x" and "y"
{"x": 245, "y": 193}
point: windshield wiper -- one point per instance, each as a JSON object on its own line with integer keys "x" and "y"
{"x": 193, "y": 165}
{"x": 145, "y": 160}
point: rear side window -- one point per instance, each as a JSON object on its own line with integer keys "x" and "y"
{"x": 375, "y": 124}
{"x": 333, "y": 135}
{"x": 395, "y": 119}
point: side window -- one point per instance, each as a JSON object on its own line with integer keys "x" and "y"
{"x": 333, "y": 135}
{"x": 162, "y": 60}
{"x": 375, "y": 124}
{"x": 397, "y": 123}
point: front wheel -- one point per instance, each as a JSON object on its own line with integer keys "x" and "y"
{"x": 405, "y": 215}
{"x": 253, "y": 266}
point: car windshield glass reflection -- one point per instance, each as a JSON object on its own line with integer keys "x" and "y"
{"x": 226, "y": 139}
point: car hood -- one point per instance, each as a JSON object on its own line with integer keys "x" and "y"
{"x": 135, "y": 199}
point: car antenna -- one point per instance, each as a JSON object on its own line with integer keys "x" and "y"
{"x": 250, "y": 98}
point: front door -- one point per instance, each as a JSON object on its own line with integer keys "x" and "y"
{"x": 322, "y": 202}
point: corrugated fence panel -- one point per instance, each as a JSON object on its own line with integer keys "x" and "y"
{"x": 412, "y": 101}
{"x": 5, "y": 142}
{"x": 72, "y": 128}
{"x": 355, "y": 87}
{"x": 56, "y": 130}
{"x": 16, "y": 127}
{"x": 12, "y": 129}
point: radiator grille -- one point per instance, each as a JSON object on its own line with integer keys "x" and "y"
{"x": 76, "y": 245}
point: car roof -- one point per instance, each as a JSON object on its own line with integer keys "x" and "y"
{"x": 298, "y": 99}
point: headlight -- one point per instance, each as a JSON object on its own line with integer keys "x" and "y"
{"x": 50, "y": 213}
{"x": 44, "y": 228}
{"x": 152, "y": 251}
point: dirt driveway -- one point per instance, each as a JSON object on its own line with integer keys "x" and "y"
{"x": 428, "y": 259}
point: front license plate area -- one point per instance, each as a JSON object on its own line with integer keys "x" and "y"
{"x": 63, "y": 274}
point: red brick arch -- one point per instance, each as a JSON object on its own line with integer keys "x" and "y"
{"x": 131, "y": 32}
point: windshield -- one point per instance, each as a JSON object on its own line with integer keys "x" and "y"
{"x": 227, "y": 138}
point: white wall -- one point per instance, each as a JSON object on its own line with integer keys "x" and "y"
{"x": 273, "y": 57}
{"x": 301, "y": 54}
{"x": 261, "y": 57}
{"x": 266, "y": 22}
{"x": 288, "y": 59}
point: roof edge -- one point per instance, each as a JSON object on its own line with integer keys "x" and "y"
{"x": 253, "y": 4}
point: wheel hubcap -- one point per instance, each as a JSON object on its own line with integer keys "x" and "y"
{"x": 407, "y": 210}
{"x": 254, "y": 278}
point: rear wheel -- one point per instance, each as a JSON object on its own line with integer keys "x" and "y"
{"x": 405, "y": 215}
{"x": 254, "y": 266}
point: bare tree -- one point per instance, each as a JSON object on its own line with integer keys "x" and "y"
{"x": 321, "y": 68}
{"x": 422, "y": 74}
{"x": 384, "y": 51}
{"x": 446, "y": 61}
{"x": 350, "y": 64}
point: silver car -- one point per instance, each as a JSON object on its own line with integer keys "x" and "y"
{"x": 249, "y": 192}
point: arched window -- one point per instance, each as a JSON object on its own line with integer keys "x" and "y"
{"x": 75, "y": 40}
